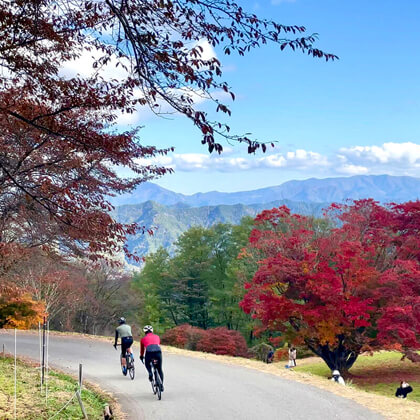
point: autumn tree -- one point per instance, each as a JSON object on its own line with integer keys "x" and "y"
{"x": 341, "y": 290}
{"x": 18, "y": 309}
{"x": 60, "y": 147}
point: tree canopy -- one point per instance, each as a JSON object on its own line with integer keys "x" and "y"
{"x": 340, "y": 290}
{"x": 60, "y": 147}
{"x": 198, "y": 284}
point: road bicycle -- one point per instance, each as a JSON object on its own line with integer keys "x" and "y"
{"x": 157, "y": 385}
{"x": 129, "y": 364}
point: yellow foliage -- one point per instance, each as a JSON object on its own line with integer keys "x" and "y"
{"x": 18, "y": 309}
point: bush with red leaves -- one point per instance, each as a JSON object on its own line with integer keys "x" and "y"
{"x": 215, "y": 340}
{"x": 183, "y": 336}
{"x": 223, "y": 341}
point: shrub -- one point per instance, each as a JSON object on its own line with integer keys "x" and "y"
{"x": 216, "y": 340}
{"x": 223, "y": 341}
{"x": 260, "y": 351}
{"x": 183, "y": 336}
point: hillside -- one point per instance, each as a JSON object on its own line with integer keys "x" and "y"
{"x": 170, "y": 222}
{"x": 383, "y": 188}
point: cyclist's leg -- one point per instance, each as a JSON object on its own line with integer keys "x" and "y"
{"x": 147, "y": 360}
{"x": 159, "y": 365}
{"x": 124, "y": 346}
{"x": 129, "y": 343}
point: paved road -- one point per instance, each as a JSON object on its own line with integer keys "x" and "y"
{"x": 195, "y": 389}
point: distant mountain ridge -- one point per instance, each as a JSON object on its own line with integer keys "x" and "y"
{"x": 383, "y": 188}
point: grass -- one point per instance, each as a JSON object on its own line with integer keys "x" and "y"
{"x": 380, "y": 373}
{"x": 32, "y": 404}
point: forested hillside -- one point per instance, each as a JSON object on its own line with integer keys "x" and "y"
{"x": 169, "y": 222}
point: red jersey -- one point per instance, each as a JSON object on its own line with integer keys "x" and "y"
{"x": 147, "y": 340}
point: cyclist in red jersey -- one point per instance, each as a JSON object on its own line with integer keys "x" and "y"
{"x": 149, "y": 350}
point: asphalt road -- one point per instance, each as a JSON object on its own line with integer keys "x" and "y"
{"x": 195, "y": 389}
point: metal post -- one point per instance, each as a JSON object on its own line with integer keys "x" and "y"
{"x": 80, "y": 377}
{"x": 46, "y": 364}
{"x": 43, "y": 351}
{"x": 40, "y": 353}
{"x": 15, "y": 376}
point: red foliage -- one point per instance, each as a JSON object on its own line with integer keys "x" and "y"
{"x": 214, "y": 340}
{"x": 223, "y": 341}
{"x": 183, "y": 336}
{"x": 347, "y": 288}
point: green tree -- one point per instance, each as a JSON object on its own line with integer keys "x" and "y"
{"x": 156, "y": 287}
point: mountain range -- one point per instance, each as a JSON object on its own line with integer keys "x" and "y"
{"x": 383, "y": 188}
{"x": 170, "y": 213}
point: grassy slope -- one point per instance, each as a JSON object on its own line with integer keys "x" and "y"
{"x": 32, "y": 405}
{"x": 380, "y": 373}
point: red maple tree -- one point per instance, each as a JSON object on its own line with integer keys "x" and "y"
{"x": 60, "y": 149}
{"x": 340, "y": 290}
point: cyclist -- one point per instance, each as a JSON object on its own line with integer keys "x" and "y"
{"x": 124, "y": 332}
{"x": 149, "y": 350}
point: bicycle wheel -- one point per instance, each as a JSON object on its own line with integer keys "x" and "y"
{"x": 158, "y": 385}
{"x": 131, "y": 371}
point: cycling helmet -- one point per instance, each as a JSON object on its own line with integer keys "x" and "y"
{"x": 336, "y": 373}
{"x": 121, "y": 320}
{"x": 147, "y": 329}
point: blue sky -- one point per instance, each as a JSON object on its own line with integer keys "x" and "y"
{"x": 358, "y": 115}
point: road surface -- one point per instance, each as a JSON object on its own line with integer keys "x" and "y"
{"x": 195, "y": 389}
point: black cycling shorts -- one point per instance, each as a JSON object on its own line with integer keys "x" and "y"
{"x": 126, "y": 343}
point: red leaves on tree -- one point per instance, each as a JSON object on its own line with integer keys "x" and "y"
{"x": 350, "y": 287}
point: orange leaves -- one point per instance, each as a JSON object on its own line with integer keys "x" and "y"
{"x": 18, "y": 309}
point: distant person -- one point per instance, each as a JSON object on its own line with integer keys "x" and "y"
{"x": 336, "y": 377}
{"x": 403, "y": 390}
{"x": 270, "y": 356}
{"x": 292, "y": 357}
{"x": 124, "y": 332}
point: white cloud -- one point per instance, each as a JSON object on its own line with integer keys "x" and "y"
{"x": 208, "y": 51}
{"x": 349, "y": 169}
{"x": 300, "y": 159}
{"x": 83, "y": 66}
{"x": 390, "y": 158}
{"x": 387, "y": 153}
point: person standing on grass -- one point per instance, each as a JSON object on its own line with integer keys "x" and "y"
{"x": 403, "y": 390}
{"x": 292, "y": 357}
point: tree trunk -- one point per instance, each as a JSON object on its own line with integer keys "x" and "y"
{"x": 338, "y": 358}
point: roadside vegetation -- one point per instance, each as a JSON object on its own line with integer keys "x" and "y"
{"x": 380, "y": 373}
{"x": 32, "y": 404}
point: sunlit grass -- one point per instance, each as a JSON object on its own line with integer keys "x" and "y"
{"x": 380, "y": 373}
